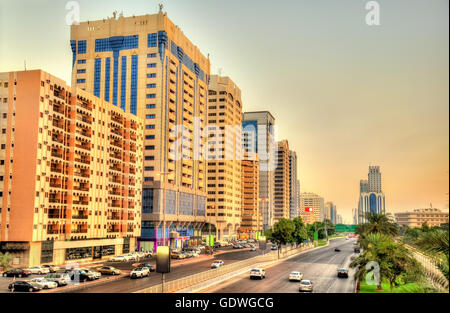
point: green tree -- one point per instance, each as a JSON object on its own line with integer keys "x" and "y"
{"x": 300, "y": 233}
{"x": 376, "y": 224}
{"x": 5, "y": 260}
{"x": 283, "y": 230}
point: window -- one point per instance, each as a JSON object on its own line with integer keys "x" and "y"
{"x": 152, "y": 40}
{"x": 151, "y": 106}
{"x": 81, "y": 46}
{"x": 149, "y": 168}
{"x": 151, "y": 65}
{"x": 149, "y": 157}
{"x": 81, "y": 71}
{"x": 151, "y": 95}
{"x": 151, "y": 55}
{"x": 81, "y": 61}
{"x": 149, "y": 147}
{"x": 150, "y": 116}
{"x": 151, "y": 75}
{"x": 148, "y": 179}
{"x": 81, "y": 81}
{"x": 151, "y": 85}
{"x": 150, "y": 137}
{"x": 150, "y": 126}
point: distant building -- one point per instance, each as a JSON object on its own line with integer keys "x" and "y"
{"x": 432, "y": 216}
{"x": 282, "y": 182}
{"x": 371, "y": 196}
{"x": 314, "y": 201}
{"x": 251, "y": 215}
{"x": 330, "y": 212}
{"x": 355, "y": 216}
{"x": 293, "y": 185}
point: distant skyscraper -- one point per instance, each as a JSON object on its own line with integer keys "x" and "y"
{"x": 282, "y": 182}
{"x": 293, "y": 191}
{"x": 330, "y": 212}
{"x": 258, "y": 137}
{"x": 371, "y": 197}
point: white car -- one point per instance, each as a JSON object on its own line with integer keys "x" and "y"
{"x": 295, "y": 276}
{"x": 140, "y": 272}
{"x": 97, "y": 275}
{"x": 43, "y": 283}
{"x": 38, "y": 270}
{"x": 305, "y": 285}
{"x": 257, "y": 273}
{"x": 120, "y": 258}
{"x": 217, "y": 264}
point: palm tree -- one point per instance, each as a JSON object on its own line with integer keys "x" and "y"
{"x": 5, "y": 260}
{"x": 436, "y": 242}
{"x": 376, "y": 224}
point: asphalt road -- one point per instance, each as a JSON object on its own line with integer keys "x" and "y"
{"x": 127, "y": 284}
{"x": 318, "y": 265}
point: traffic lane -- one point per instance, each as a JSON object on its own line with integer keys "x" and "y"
{"x": 127, "y": 284}
{"x": 318, "y": 265}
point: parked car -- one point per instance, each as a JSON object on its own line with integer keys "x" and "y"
{"x": 151, "y": 267}
{"x": 342, "y": 272}
{"x": 140, "y": 272}
{"x": 44, "y": 283}
{"x": 96, "y": 274}
{"x": 252, "y": 249}
{"x": 298, "y": 276}
{"x": 337, "y": 250}
{"x": 120, "y": 258}
{"x": 62, "y": 279}
{"x": 257, "y": 273}
{"x": 81, "y": 275}
{"x": 109, "y": 270}
{"x": 24, "y": 286}
{"x": 217, "y": 264}
{"x": 52, "y": 268}
{"x": 237, "y": 246}
{"x": 16, "y": 272}
{"x": 305, "y": 285}
{"x": 274, "y": 247}
{"x": 38, "y": 270}
{"x": 177, "y": 255}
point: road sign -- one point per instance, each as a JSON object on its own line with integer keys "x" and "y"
{"x": 342, "y": 228}
{"x": 316, "y": 236}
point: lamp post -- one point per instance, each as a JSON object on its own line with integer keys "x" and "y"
{"x": 163, "y": 174}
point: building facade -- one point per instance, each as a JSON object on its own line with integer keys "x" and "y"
{"x": 371, "y": 196}
{"x": 148, "y": 67}
{"x": 314, "y": 201}
{"x": 281, "y": 184}
{"x": 415, "y": 218}
{"x": 330, "y": 212}
{"x": 74, "y": 190}
{"x": 252, "y": 219}
{"x": 224, "y": 156}
{"x": 294, "y": 184}
{"x": 259, "y": 136}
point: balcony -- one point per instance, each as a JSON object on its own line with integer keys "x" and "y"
{"x": 117, "y": 143}
{"x": 80, "y": 217}
{"x": 80, "y": 202}
{"x": 83, "y": 145}
{"x": 84, "y": 133}
{"x": 52, "y": 231}
{"x": 79, "y": 231}
{"x": 84, "y": 119}
{"x": 115, "y": 168}
{"x": 81, "y": 174}
{"x": 59, "y": 94}
{"x": 83, "y": 160}
{"x": 58, "y": 123}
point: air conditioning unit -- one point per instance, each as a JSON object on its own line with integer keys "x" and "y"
{"x": 47, "y": 96}
{"x": 48, "y": 81}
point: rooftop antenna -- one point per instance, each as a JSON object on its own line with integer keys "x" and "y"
{"x": 161, "y": 6}
{"x": 115, "y": 14}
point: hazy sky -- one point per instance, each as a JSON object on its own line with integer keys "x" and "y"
{"x": 343, "y": 93}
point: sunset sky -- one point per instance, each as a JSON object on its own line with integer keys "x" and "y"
{"x": 346, "y": 95}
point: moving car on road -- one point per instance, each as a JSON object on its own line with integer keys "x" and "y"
{"x": 151, "y": 267}
{"x": 61, "y": 279}
{"x": 337, "y": 250}
{"x": 140, "y": 272}
{"x": 45, "y": 284}
{"x": 24, "y": 286}
{"x": 38, "y": 270}
{"x": 16, "y": 272}
{"x": 305, "y": 285}
{"x": 109, "y": 270}
{"x": 257, "y": 273}
{"x": 81, "y": 275}
{"x": 217, "y": 264}
{"x": 342, "y": 272}
{"x": 295, "y": 276}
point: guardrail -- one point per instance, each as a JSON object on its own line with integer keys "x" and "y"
{"x": 434, "y": 275}
{"x": 182, "y": 283}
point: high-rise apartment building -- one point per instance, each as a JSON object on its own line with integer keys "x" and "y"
{"x": 70, "y": 172}
{"x": 259, "y": 136}
{"x": 148, "y": 67}
{"x": 251, "y": 215}
{"x": 330, "y": 212}
{"x": 281, "y": 184}
{"x": 293, "y": 185}
{"x": 371, "y": 196}
{"x": 314, "y": 201}
{"x": 224, "y": 157}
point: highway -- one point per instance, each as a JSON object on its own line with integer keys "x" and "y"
{"x": 317, "y": 265}
{"x": 127, "y": 284}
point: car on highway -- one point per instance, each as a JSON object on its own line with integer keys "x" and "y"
{"x": 151, "y": 267}
{"x": 257, "y": 273}
{"x": 342, "y": 272}
{"x": 337, "y": 250}
{"x": 109, "y": 270}
{"x": 217, "y": 264}
{"x": 295, "y": 276}
{"x": 51, "y": 268}
{"x": 61, "y": 279}
{"x": 24, "y": 286}
{"x": 305, "y": 285}
{"x": 140, "y": 272}
{"x": 44, "y": 283}
{"x": 38, "y": 270}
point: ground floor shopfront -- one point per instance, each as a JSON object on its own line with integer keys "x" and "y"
{"x": 26, "y": 254}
